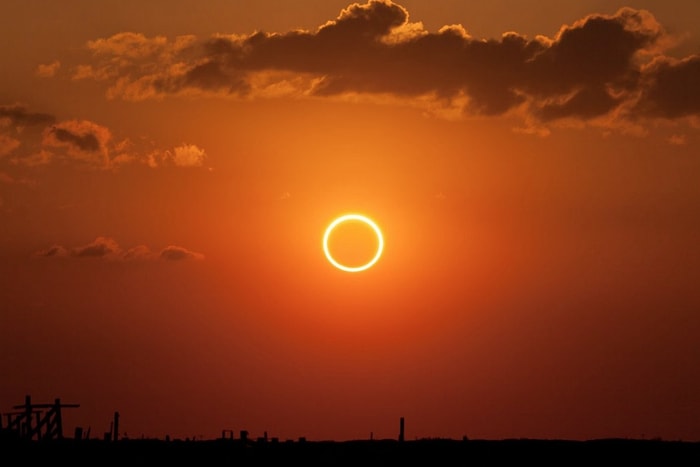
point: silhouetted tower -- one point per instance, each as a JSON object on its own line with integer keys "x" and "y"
{"x": 401, "y": 430}
{"x": 115, "y": 432}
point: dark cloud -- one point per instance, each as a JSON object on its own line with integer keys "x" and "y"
{"x": 595, "y": 67}
{"x": 102, "y": 247}
{"x": 19, "y": 116}
{"x": 672, "y": 88}
{"x": 81, "y": 142}
{"x": 108, "y": 248}
{"x": 176, "y": 253}
{"x": 586, "y": 103}
{"x": 138, "y": 252}
{"x": 52, "y": 252}
{"x": 595, "y": 53}
{"x": 87, "y": 142}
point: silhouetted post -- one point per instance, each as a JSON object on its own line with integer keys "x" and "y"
{"x": 115, "y": 433}
{"x": 244, "y": 436}
{"x": 27, "y": 426}
{"x": 38, "y": 425}
{"x": 58, "y": 419}
{"x": 401, "y": 430}
{"x": 78, "y": 433}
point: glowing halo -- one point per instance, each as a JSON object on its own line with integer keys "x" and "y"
{"x": 353, "y": 217}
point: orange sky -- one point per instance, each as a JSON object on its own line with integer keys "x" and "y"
{"x": 168, "y": 169}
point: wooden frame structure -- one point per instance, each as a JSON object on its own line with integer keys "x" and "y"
{"x": 37, "y": 421}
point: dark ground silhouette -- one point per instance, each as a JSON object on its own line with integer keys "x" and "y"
{"x": 33, "y": 435}
{"x": 429, "y": 452}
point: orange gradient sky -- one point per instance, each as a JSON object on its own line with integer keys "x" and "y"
{"x": 168, "y": 169}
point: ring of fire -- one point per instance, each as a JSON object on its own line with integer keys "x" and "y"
{"x": 360, "y": 218}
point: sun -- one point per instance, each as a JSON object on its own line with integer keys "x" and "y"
{"x": 350, "y": 218}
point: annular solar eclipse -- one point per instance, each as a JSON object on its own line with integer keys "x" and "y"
{"x": 353, "y": 218}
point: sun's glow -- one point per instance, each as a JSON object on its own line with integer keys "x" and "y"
{"x": 347, "y": 218}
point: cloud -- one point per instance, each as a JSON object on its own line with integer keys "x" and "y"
{"x": 20, "y": 134}
{"x": 671, "y": 88}
{"x": 139, "y": 252}
{"x": 106, "y": 248}
{"x": 129, "y": 44}
{"x": 102, "y": 247}
{"x": 17, "y": 115}
{"x": 54, "y": 251}
{"x": 599, "y": 68}
{"x": 7, "y": 144}
{"x": 48, "y": 70}
{"x": 677, "y": 140}
{"x": 10, "y": 180}
{"x": 4, "y": 178}
{"x": 80, "y": 142}
{"x": 84, "y": 136}
{"x": 133, "y": 62}
{"x": 188, "y": 155}
{"x": 176, "y": 253}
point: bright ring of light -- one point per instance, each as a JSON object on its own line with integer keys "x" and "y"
{"x": 353, "y": 217}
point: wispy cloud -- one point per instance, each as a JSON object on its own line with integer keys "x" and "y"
{"x": 8, "y": 144}
{"x": 48, "y": 70}
{"x": 603, "y": 69}
{"x": 677, "y": 140}
{"x": 10, "y": 180}
{"x": 106, "y": 248}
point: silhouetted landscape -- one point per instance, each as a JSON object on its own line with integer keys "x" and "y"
{"x": 350, "y": 232}
{"x": 34, "y": 433}
{"x": 149, "y": 452}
